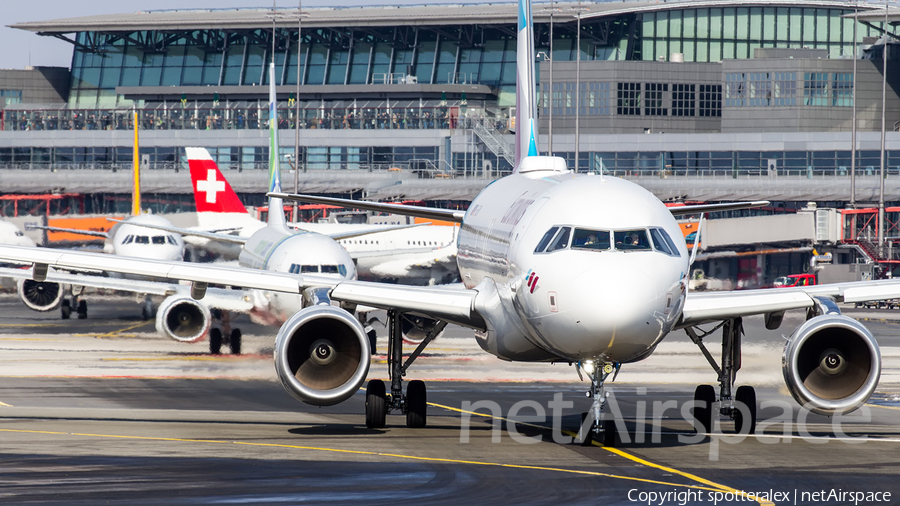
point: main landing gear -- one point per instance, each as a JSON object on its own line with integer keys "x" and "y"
{"x": 741, "y": 407}
{"x": 224, "y": 335}
{"x": 593, "y": 426}
{"x": 74, "y": 302}
{"x": 379, "y": 402}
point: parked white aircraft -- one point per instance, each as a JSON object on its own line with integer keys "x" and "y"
{"x": 126, "y": 238}
{"x": 13, "y": 235}
{"x": 558, "y": 267}
{"x": 415, "y": 255}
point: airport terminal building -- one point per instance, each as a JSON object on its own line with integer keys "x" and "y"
{"x": 698, "y": 100}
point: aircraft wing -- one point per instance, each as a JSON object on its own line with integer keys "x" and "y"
{"x": 359, "y": 233}
{"x": 92, "y": 233}
{"x": 710, "y": 208}
{"x": 445, "y": 303}
{"x": 201, "y": 273}
{"x": 702, "y": 307}
{"x": 234, "y": 239}
{"x": 429, "y": 213}
{"x": 125, "y": 285}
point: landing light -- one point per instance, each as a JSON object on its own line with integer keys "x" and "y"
{"x": 588, "y": 366}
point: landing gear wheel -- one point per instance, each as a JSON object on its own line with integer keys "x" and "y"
{"x": 235, "y": 341}
{"x": 586, "y": 431}
{"x": 706, "y": 396}
{"x": 745, "y": 395}
{"x": 66, "y": 309}
{"x": 147, "y": 312}
{"x": 416, "y": 404}
{"x": 376, "y": 411}
{"x": 215, "y": 341}
{"x": 82, "y": 309}
{"x": 609, "y": 433}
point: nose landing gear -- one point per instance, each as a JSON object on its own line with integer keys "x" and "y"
{"x": 593, "y": 426}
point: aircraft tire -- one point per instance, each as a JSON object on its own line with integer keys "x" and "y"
{"x": 706, "y": 396}
{"x": 235, "y": 341}
{"x": 609, "y": 433}
{"x": 82, "y": 309}
{"x": 376, "y": 410}
{"x": 215, "y": 341}
{"x": 373, "y": 340}
{"x": 65, "y": 309}
{"x": 416, "y": 404}
{"x": 746, "y": 395}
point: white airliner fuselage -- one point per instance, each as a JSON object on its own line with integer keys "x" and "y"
{"x": 567, "y": 296}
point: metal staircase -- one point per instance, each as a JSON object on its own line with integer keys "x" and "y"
{"x": 495, "y": 142}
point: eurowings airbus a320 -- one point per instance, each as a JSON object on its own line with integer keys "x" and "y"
{"x": 557, "y": 267}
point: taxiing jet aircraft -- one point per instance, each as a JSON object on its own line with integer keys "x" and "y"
{"x": 424, "y": 255}
{"x": 557, "y": 267}
{"x": 13, "y": 235}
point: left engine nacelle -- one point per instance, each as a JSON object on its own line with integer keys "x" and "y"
{"x": 322, "y": 355}
{"x": 831, "y": 363}
{"x": 40, "y": 295}
{"x": 182, "y": 319}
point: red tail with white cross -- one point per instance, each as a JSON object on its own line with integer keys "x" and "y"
{"x": 212, "y": 193}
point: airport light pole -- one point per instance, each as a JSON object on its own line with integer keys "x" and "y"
{"x": 297, "y": 112}
{"x": 884, "y": 68}
{"x": 853, "y": 99}
{"x": 577, "y": 82}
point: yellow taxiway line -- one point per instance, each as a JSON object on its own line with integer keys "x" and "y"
{"x": 114, "y": 333}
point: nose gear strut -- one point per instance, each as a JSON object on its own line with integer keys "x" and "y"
{"x": 593, "y": 426}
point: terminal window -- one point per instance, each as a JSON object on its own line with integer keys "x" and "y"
{"x": 735, "y": 90}
{"x": 842, "y": 90}
{"x": 628, "y": 99}
{"x": 784, "y": 86}
{"x": 683, "y": 99}
{"x": 11, "y": 96}
{"x": 653, "y": 103}
{"x": 815, "y": 88}
{"x": 594, "y": 99}
{"x": 760, "y": 89}
{"x": 710, "y": 100}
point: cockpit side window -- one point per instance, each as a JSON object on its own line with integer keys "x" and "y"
{"x": 632, "y": 240}
{"x": 342, "y": 270}
{"x": 663, "y": 242}
{"x": 561, "y": 241}
{"x": 597, "y": 240}
{"x": 171, "y": 240}
{"x": 546, "y": 240}
{"x": 128, "y": 239}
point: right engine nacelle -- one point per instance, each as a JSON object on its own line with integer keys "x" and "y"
{"x": 831, "y": 363}
{"x": 322, "y": 355}
{"x": 40, "y": 295}
{"x": 182, "y": 319}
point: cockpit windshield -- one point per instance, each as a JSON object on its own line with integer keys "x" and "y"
{"x": 632, "y": 240}
{"x": 590, "y": 239}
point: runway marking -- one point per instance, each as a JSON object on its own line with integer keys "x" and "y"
{"x": 31, "y": 324}
{"x": 621, "y": 453}
{"x": 114, "y": 333}
{"x": 185, "y": 357}
{"x": 883, "y": 407}
{"x": 363, "y": 452}
{"x": 5, "y": 405}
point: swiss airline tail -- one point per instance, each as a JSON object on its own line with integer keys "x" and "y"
{"x": 212, "y": 193}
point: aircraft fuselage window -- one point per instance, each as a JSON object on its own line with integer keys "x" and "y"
{"x": 590, "y": 239}
{"x": 141, "y": 239}
{"x": 329, "y": 269}
{"x": 632, "y": 240}
{"x": 309, "y": 268}
{"x": 561, "y": 241}
{"x": 159, "y": 239}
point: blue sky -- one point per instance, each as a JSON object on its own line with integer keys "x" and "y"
{"x": 23, "y": 48}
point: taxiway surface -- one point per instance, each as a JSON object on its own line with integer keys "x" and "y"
{"x": 102, "y": 410}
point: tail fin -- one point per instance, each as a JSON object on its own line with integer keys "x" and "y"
{"x": 212, "y": 193}
{"x": 276, "y": 207}
{"x": 526, "y": 108}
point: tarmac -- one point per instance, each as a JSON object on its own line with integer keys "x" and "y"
{"x": 103, "y": 410}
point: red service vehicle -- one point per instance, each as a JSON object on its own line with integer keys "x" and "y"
{"x": 795, "y": 280}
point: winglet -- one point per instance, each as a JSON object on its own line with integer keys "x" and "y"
{"x": 526, "y": 106}
{"x": 212, "y": 193}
